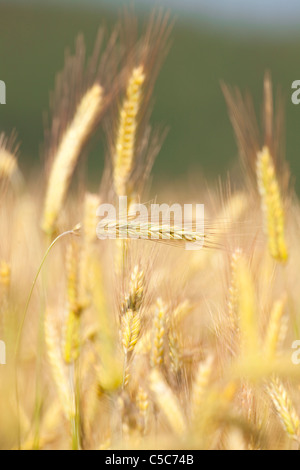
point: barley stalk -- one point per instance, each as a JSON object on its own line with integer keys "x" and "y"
{"x": 233, "y": 290}
{"x": 247, "y": 309}
{"x": 58, "y": 368}
{"x": 91, "y": 204}
{"x": 110, "y": 368}
{"x": 72, "y": 336}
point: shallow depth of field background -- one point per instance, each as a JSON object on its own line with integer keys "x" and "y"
{"x": 212, "y": 41}
{"x": 102, "y": 362}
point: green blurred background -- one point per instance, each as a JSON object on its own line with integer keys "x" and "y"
{"x": 207, "y": 47}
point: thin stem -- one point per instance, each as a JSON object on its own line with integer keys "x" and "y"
{"x": 76, "y": 438}
{"x": 18, "y": 341}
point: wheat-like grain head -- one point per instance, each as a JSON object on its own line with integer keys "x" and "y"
{"x": 272, "y": 206}
{"x": 285, "y": 409}
{"x": 126, "y": 137}
{"x": 68, "y": 152}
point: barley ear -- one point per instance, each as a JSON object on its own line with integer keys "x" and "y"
{"x": 9, "y": 169}
{"x": 131, "y": 326}
{"x": 142, "y": 401}
{"x": 285, "y": 409}
{"x": 272, "y": 206}
{"x": 272, "y": 338}
{"x": 131, "y": 317}
{"x": 167, "y": 402}
{"x": 67, "y": 154}
{"x": 157, "y": 352}
{"x": 126, "y": 137}
{"x": 8, "y": 165}
{"x": 200, "y": 387}
{"x": 176, "y": 363}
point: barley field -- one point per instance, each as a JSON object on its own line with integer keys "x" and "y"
{"x": 137, "y": 343}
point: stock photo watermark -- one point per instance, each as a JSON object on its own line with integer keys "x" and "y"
{"x": 296, "y": 354}
{"x": 2, "y": 353}
{"x": 160, "y": 222}
{"x": 2, "y": 92}
{"x": 296, "y": 94}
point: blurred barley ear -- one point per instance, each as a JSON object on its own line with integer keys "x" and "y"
{"x": 9, "y": 169}
{"x": 274, "y": 330}
{"x": 200, "y": 387}
{"x": 272, "y": 206}
{"x": 167, "y": 403}
{"x": 175, "y": 352}
{"x": 142, "y": 401}
{"x": 64, "y": 162}
{"x": 285, "y": 409}
{"x": 8, "y": 164}
{"x": 158, "y": 332}
{"x": 131, "y": 317}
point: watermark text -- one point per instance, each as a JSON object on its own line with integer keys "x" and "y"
{"x": 2, "y": 353}
{"x": 161, "y": 222}
{"x": 296, "y": 94}
{"x": 2, "y": 92}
